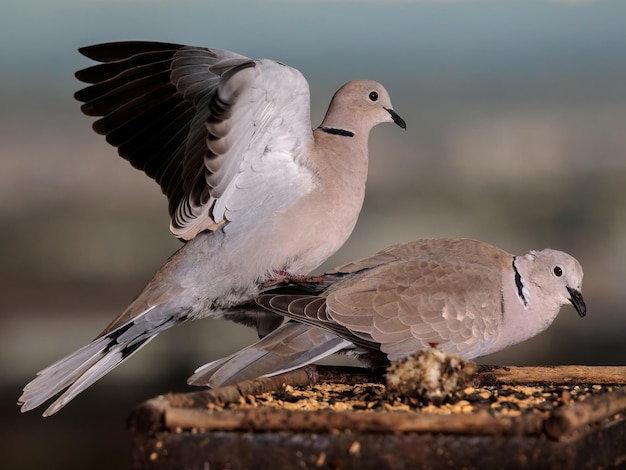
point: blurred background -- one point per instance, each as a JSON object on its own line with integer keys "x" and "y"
{"x": 516, "y": 115}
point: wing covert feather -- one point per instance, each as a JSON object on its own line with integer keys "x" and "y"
{"x": 210, "y": 126}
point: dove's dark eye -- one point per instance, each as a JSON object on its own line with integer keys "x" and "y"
{"x": 374, "y": 95}
{"x": 558, "y": 271}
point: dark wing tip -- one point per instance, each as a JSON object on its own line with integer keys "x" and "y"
{"x": 111, "y": 51}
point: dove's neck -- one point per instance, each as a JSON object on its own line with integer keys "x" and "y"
{"x": 339, "y": 157}
{"x": 526, "y": 309}
{"x": 340, "y": 164}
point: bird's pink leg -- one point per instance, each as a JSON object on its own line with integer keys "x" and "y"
{"x": 283, "y": 277}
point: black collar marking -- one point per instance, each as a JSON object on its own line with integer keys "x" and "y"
{"x": 519, "y": 284}
{"x": 335, "y": 131}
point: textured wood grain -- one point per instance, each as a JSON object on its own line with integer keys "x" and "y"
{"x": 180, "y": 431}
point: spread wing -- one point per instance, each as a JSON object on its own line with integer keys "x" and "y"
{"x": 215, "y": 129}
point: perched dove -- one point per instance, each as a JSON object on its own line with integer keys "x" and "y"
{"x": 465, "y": 296}
{"x": 257, "y": 193}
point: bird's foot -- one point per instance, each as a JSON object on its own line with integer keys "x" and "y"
{"x": 285, "y": 278}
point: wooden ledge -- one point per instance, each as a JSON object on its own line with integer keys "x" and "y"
{"x": 169, "y": 429}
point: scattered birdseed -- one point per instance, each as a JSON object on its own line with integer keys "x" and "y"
{"x": 506, "y": 400}
{"x": 355, "y": 448}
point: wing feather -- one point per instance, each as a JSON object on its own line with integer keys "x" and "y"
{"x": 219, "y": 132}
{"x": 409, "y": 296}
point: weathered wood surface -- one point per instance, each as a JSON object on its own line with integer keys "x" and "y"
{"x": 564, "y": 375}
{"x": 362, "y": 451}
{"x": 232, "y": 393}
{"x": 277, "y": 420}
{"x": 559, "y": 424}
{"x": 178, "y": 431}
{"x": 488, "y": 375}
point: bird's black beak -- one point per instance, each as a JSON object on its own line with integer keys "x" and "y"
{"x": 397, "y": 119}
{"x": 577, "y": 301}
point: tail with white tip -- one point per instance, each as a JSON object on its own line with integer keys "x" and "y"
{"x": 291, "y": 346}
{"x": 77, "y": 371}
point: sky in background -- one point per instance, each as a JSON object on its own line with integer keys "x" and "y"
{"x": 380, "y": 38}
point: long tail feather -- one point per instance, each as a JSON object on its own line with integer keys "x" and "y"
{"x": 291, "y": 346}
{"x": 82, "y": 368}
